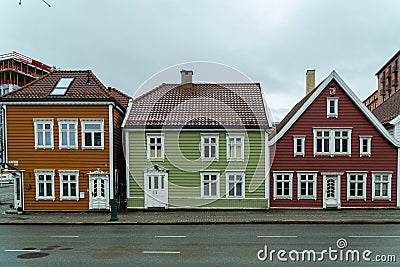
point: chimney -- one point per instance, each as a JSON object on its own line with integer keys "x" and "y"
{"x": 186, "y": 76}
{"x": 310, "y": 81}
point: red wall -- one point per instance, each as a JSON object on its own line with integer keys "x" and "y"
{"x": 383, "y": 153}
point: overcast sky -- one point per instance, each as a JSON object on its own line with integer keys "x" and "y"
{"x": 126, "y": 42}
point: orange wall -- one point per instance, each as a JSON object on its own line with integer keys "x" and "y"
{"x": 21, "y": 148}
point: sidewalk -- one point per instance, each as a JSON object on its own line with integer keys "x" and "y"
{"x": 375, "y": 216}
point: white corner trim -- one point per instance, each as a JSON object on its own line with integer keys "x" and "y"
{"x": 128, "y": 111}
{"x": 126, "y": 153}
{"x": 398, "y": 177}
{"x": 111, "y": 147}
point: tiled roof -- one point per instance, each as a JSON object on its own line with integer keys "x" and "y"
{"x": 232, "y": 104}
{"x": 389, "y": 109}
{"x": 85, "y": 86}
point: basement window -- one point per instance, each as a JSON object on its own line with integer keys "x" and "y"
{"x": 62, "y": 86}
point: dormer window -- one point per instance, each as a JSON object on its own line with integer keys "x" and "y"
{"x": 62, "y": 86}
{"x": 332, "y": 107}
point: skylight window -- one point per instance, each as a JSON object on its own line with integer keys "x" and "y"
{"x": 62, "y": 86}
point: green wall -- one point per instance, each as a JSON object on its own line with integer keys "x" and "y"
{"x": 183, "y": 161}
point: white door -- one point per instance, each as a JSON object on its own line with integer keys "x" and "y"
{"x": 156, "y": 188}
{"x": 18, "y": 189}
{"x": 98, "y": 191}
{"x": 331, "y": 191}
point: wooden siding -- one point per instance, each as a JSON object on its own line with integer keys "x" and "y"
{"x": 183, "y": 161}
{"x": 383, "y": 157}
{"x": 21, "y": 148}
{"x": 119, "y": 157}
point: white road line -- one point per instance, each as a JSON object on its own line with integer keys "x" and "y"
{"x": 22, "y": 250}
{"x": 160, "y": 252}
{"x": 65, "y": 236}
{"x": 170, "y": 236}
{"x": 277, "y": 236}
{"x": 374, "y": 236}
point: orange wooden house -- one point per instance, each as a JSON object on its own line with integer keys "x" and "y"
{"x": 63, "y": 135}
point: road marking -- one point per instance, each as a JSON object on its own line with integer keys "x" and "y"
{"x": 374, "y": 236}
{"x": 277, "y": 236}
{"x": 22, "y": 250}
{"x": 170, "y": 236}
{"x": 65, "y": 236}
{"x": 160, "y": 252}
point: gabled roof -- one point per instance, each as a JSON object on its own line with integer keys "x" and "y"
{"x": 302, "y": 106}
{"x": 85, "y": 87}
{"x": 199, "y": 105}
{"x": 389, "y": 109}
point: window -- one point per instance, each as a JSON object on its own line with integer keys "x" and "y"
{"x": 155, "y": 146}
{"x": 307, "y": 185}
{"x": 332, "y": 142}
{"x": 68, "y": 137}
{"x": 209, "y": 184}
{"x": 283, "y": 185}
{"x": 43, "y": 133}
{"x": 365, "y": 146}
{"x": 235, "y": 184}
{"x": 209, "y": 147}
{"x": 332, "y": 107}
{"x": 381, "y": 186}
{"x": 356, "y": 185}
{"x": 62, "y": 86}
{"x": 92, "y": 134}
{"x": 69, "y": 185}
{"x": 299, "y": 145}
{"x": 235, "y": 147}
{"x": 44, "y": 185}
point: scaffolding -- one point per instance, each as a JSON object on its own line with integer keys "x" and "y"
{"x": 18, "y": 70}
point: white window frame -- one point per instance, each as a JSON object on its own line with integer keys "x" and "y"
{"x": 234, "y": 145}
{"x": 369, "y": 141}
{"x": 290, "y": 181}
{"x": 242, "y": 181}
{"x": 303, "y": 141}
{"x": 314, "y": 185}
{"x": 335, "y": 113}
{"x": 148, "y": 138}
{"x": 60, "y": 131}
{"x": 374, "y": 180}
{"x": 217, "y": 182}
{"x": 38, "y": 173}
{"x": 364, "y": 185}
{"x": 61, "y": 173}
{"x": 203, "y": 144}
{"x": 36, "y": 122}
{"x": 92, "y": 121}
{"x": 331, "y": 139}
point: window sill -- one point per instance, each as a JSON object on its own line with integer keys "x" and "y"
{"x": 69, "y": 198}
{"x": 209, "y": 159}
{"x": 357, "y": 198}
{"x": 92, "y": 148}
{"x": 45, "y": 198}
{"x": 282, "y": 198}
{"x": 306, "y": 198}
{"x": 235, "y": 159}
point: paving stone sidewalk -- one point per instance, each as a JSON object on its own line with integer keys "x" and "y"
{"x": 208, "y": 217}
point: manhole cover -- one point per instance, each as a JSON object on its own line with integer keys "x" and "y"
{"x": 33, "y": 255}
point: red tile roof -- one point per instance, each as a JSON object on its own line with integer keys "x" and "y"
{"x": 389, "y": 109}
{"x": 85, "y": 86}
{"x": 232, "y": 104}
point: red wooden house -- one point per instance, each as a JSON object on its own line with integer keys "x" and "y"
{"x": 330, "y": 151}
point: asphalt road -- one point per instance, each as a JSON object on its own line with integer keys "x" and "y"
{"x": 199, "y": 245}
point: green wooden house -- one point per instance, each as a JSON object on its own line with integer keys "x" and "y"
{"x": 197, "y": 145}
